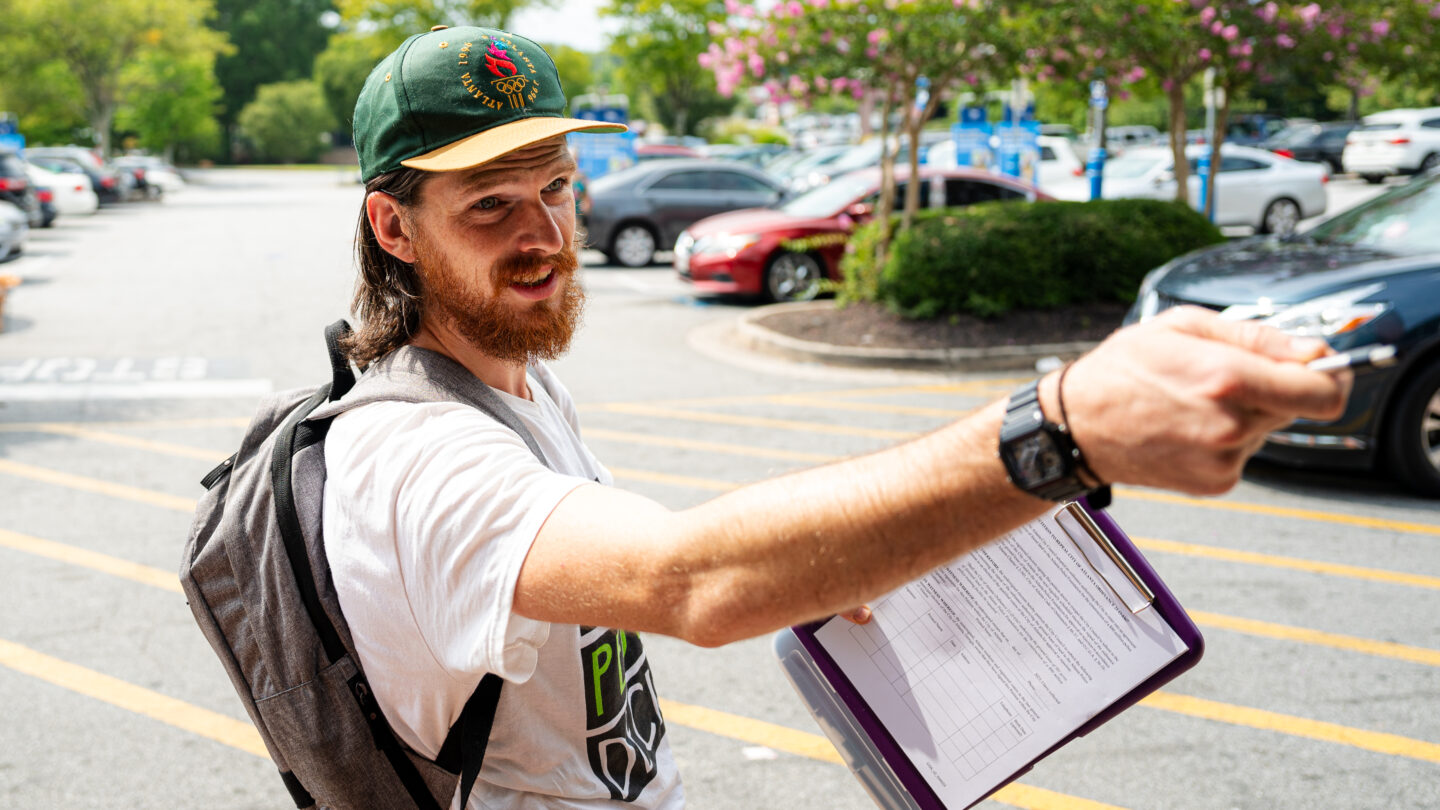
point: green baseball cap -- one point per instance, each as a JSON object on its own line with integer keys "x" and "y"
{"x": 454, "y": 98}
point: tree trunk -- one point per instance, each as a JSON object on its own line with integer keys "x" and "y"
{"x": 100, "y": 122}
{"x": 1217, "y": 140}
{"x": 1176, "y": 96}
{"x": 1353, "y": 112}
{"x": 915, "y": 123}
{"x": 886, "y": 204}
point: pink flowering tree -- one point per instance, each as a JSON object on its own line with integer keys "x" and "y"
{"x": 798, "y": 50}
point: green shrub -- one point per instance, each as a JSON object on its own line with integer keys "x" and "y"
{"x": 288, "y": 121}
{"x": 988, "y": 259}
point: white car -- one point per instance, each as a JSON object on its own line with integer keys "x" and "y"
{"x": 14, "y": 228}
{"x": 158, "y": 173}
{"x": 1394, "y": 142}
{"x": 1060, "y": 165}
{"x": 73, "y": 192}
{"x": 1253, "y": 188}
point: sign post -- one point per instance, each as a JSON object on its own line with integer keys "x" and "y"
{"x": 1095, "y": 168}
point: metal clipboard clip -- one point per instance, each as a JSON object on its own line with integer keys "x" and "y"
{"x": 1140, "y": 596}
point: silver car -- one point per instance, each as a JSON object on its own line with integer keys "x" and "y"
{"x": 14, "y": 229}
{"x": 634, "y": 213}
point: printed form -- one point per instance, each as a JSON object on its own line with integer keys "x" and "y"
{"x": 981, "y": 666}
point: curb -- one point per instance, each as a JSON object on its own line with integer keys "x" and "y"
{"x": 757, "y": 337}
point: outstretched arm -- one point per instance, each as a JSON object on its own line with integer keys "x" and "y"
{"x": 1180, "y": 402}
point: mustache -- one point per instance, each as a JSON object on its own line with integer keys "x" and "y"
{"x": 522, "y": 265}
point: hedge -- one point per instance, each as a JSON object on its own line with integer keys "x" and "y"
{"x": 991, "y": 258}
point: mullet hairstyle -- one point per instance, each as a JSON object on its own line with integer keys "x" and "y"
{"x": 388, "y": 293}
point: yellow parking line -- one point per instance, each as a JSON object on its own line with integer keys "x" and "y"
{"x": 807, "y": 401}
{"x": 752, "y": 421}
{"x": 105, "y": 437}
{"x": 707, "y": 447}
{"x": 1279, "y": 511}
{"x": 97, "y": 486}
{"x": 673, "y": 480}
{"x": 1380, "y": 743}
{"x": 1292, "y": 563}
{"x": 104, "y": 563}
{"x": 815, "y": 746}
{"x": 1319, "y": 638}
{"x": 210, "y": 725}
{"x": 139, "y": 424}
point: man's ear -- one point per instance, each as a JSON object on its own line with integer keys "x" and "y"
{"x": 387, "y": 220}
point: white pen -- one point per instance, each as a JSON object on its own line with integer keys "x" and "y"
{"x": 1376, "y": 355}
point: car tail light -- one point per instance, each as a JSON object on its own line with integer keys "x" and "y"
{"x": 80, "y": 187}
{"x": 12, "y": 184}
{"x": 45, "y": 195}
{"x": 107, "y": 182}
{"x": 1079, "y": 171}
{"x": 139, "y": 174}
{"x": 1285, "y": 153}
{"x": 1399, "y": 141}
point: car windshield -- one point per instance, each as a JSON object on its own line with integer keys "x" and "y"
{"x": 1406, "y": 220}
{"x": 1294, "y": 136}
{"x": 1131, "y": 166}
{"x": 831, "y": 198}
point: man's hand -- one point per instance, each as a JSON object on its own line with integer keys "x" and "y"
{"x": 1183, "y": 401}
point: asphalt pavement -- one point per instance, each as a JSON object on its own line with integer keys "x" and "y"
{"x": 135, "y": 351}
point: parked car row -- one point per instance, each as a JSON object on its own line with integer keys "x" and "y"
{"x": 50, "y": 182}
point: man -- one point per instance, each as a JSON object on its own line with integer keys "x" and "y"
{"x": 456, "y": 553}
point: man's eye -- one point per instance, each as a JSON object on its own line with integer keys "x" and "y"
{"x": 487, "y": 203}
{"x": 559, "y": 183}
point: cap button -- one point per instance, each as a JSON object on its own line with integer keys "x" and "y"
{"x": 438, "y": 27}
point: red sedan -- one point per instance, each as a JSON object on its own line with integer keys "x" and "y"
{"x": 753, "y": 251}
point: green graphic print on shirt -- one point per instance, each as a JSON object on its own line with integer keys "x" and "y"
{"x": 622, "y": 713}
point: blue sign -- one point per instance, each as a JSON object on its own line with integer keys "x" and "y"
{"x": 10, "y": 140}
{"x": 1019, "y": 150}
{"x": 610, "y": 115}
{"x": 972, "y": 139}
{"x": 600, "y": 153}
{"x": 1099, "y": 95}
{"x": 8, "y": 125}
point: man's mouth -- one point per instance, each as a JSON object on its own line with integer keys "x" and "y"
{"x": 535, "y": 280}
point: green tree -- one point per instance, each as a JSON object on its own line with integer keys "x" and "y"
{"x": 100, "y": 40}
{"x": 576, "y": 68}
{"x": 407, "y": 17}
{"x": 48, "y": 102}
{"x": 287, "y": 122}
{"x": 172, "y": 102}
{"x": 275, "y": 41}
{"x": 657, "y": 51}
{"x": 341, "y": 69}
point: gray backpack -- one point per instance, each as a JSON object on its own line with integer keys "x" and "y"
{"x": 255, "y": 576}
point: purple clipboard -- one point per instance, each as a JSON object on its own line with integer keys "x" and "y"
{"x": 870, "y": 750}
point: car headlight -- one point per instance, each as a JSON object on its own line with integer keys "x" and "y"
{"x": 1326, "y": 316}
{"x": 1147, "y": 299}
{"x": 729, "y": 244}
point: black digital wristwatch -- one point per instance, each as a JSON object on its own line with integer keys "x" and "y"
{"x": 1040, "y": 456}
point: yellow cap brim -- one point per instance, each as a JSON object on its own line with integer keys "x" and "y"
{"x": 483, "y": 147}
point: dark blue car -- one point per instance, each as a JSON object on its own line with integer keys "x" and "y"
{"x": 1371, "y": 274}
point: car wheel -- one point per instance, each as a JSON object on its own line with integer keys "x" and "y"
{"x": 1413, "y": 433}
{"x": 1281, "y": 217}
{"x": 633, "y": 246}
{"x": 793, "y": 277}
{"x": 1430, "y": 162}
{"x": 1374, "y": 179}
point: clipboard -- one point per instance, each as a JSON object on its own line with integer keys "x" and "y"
{"x": 871, "y": 751}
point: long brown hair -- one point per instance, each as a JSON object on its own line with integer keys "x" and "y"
{"x": 389, "y": 292}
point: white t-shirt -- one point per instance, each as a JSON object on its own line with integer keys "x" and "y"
{"x": 429, "y": 511}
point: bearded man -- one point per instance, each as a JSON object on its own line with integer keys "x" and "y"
{"x": 457, "y": 554}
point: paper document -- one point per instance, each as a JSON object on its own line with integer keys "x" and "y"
{"x": 981, "y": 666}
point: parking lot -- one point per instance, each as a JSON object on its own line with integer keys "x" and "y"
{"x": 140, "y": 339}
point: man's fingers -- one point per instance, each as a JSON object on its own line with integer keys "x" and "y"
{"x": 1250, "y": 335}
{"x": 1289, "y": 389}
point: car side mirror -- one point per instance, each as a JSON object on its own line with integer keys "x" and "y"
{"x": 1164, "y": 177}
{"x": 860, "y": 210}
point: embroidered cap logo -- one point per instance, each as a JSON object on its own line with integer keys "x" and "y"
{"x": 510, "y": 82}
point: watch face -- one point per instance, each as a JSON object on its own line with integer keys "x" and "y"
{"x": 1036, "y": 460}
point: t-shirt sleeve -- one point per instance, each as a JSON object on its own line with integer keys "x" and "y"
{"x": 467, "y": 498}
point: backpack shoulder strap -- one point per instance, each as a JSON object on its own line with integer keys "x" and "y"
{"x": 411, "y": 374}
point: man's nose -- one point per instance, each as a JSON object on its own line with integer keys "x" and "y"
{"x": 542, "y": 229}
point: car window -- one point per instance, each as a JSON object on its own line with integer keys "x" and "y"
{"x": 874, "y": 197}
{"x": 1046, "y": 153}
{"x": 969, "y": 192}
{"x": 1433, "y": 123}
{"x": 10, "y": 166}
{"x": 688, "y": 181}
{"x": 736, "y": 181}
{"x": 830, "y": 199}
{"x": 1233, "y": 163}
{"x": 1330, "y": 136}
{"x": 1380, "y": 127}
{"x": 1406, "y": 220}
